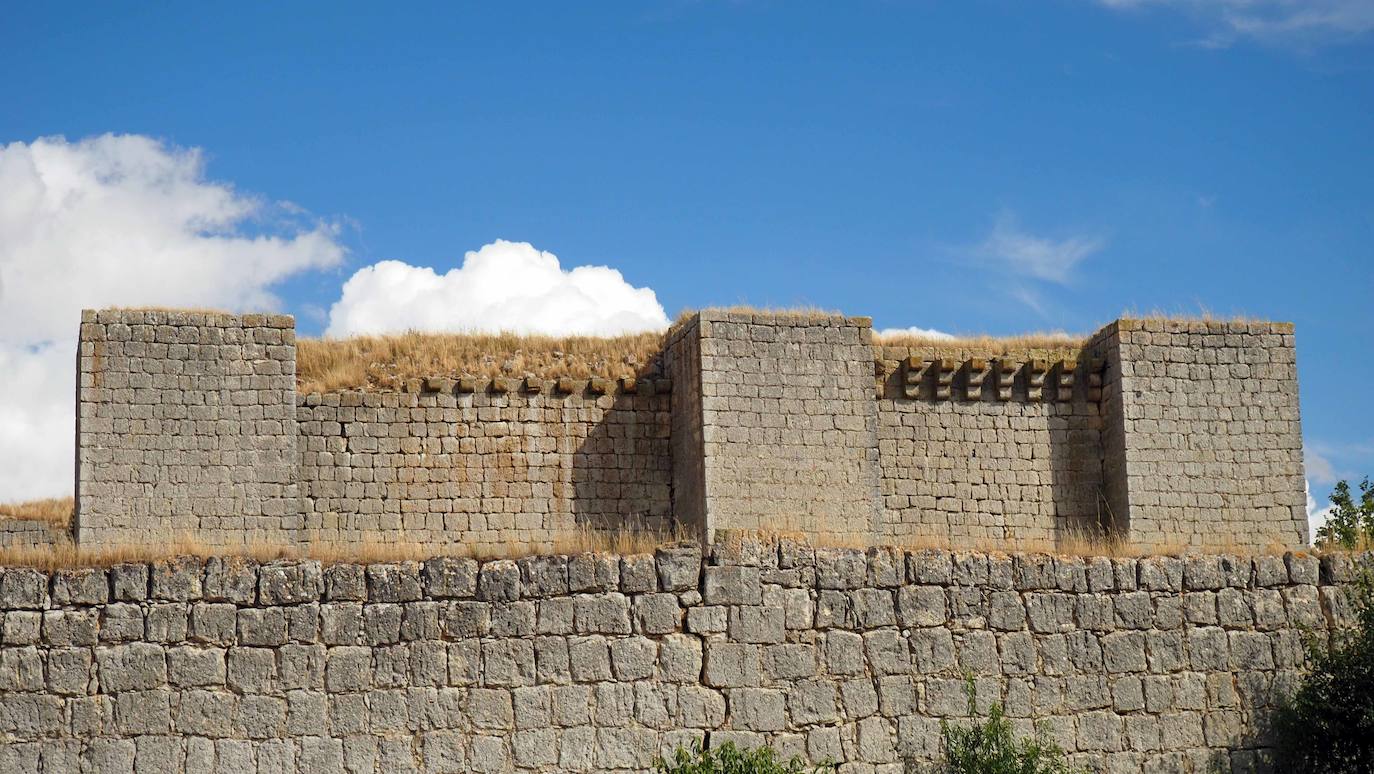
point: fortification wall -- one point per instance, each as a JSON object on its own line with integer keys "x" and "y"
{"x": 1161, "y": 433}
{"x": 600, "y": 663}
{"x": 788, "y": 423}
{"x": 974, "y": 461}
{"x": 469, "y": 465}
{"x": 186, "y": 427}
{"x": 1211, "y": 437}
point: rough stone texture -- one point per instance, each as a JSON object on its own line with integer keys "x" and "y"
{"x": 481, "y": 468}
{"x": 1166, "y": 433}
{"x": 787, "y": 422}
{"x": 186, "y": 428}
{"x": 406, "y": 677}
{"x": 1204, "y": 438}
{"x": 31, "y": 533}
{"x": 970, "y": 468}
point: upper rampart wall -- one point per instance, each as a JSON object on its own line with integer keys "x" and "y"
{"x": 979, "y": 450}
{"x": 484, "y": 468}
{"x": 1160, "y": 433}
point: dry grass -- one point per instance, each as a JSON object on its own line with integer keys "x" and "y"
{"x": 1074, "y": 543}
{"x": 801, "y": 313}
{"x": 990, "y": 345}
{"x": 368, "y": 549}
{"x": 387, "y": 362}
{"x": 183, "y": 309}
{"x": 1201, "y": 314}
{"x": 55, "y": 511}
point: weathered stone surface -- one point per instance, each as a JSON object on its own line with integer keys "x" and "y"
{"x": 287, "y": 582}
{"x": 1180, "y": 660}
{"x": 679, "y": 566}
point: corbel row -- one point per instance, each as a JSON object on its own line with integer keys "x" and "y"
{"x": 1046, "y": 381}
{"x": 529, "y": 385}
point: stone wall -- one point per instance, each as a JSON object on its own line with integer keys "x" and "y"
{"x": 787, "y": 420}
{"x": 32, "y": 533}
{"x": 682, "y": 359}
{"x": 483, "y": 468}
{"x": 1162, "y": 433}
{"x": 971, "y": 465}
{"x": 600, "y": 663}
{"x": 1210, "y": 433}
{"x": 186, "y": 428}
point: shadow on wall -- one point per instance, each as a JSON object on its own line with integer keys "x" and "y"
{"x": 974, "y": 461}
{"x": 622, "y": 469}
{"x": 1081, "y": 510}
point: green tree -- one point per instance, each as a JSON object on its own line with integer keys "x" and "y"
{"x": 991, "y": 747}
{"x": 1327, "y": 725}
{"x": 729, "y": 759}
{"x": 1351, "y": 523}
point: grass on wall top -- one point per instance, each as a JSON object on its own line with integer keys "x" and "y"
{"x": 387, "y": 362}
{"x": 53, "y": 511}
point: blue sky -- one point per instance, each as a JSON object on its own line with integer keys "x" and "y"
{"x": 991, "y": 167}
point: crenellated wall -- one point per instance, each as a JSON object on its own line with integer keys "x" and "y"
{"x": 596, "y": 662}
{"x": 970, "y": 460}
{"x": 1160, "y": 433}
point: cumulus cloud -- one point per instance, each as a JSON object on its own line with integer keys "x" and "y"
{"x": 1042, "y": 258}
{"x": 914, "y": 331}
{"x": 1319, "y": 468}
{"x": 1316, "y": 516}
{"x": 115, "y": 220}
{"x": 1301, "y": 23}
{"x": 504, "y": 286}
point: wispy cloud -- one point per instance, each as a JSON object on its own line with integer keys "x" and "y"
{"x": 1038, "y": 257}
{"x": 1291, "y": 23}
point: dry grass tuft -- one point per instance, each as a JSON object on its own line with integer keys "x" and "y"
{"x": 55, "y": 511}
{"x": 387, "y": 362}
{"x": 1201, "y": 314}
{"x": 369, "y": 549}
{"x": 184, "y": 309}
{"x": 989, "y": 345}
{"x": 800, "y": 313}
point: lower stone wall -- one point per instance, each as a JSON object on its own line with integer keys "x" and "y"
{"x": 601, "y": 663}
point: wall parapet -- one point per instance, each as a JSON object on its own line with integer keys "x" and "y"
{"x": 1152, "y": 432}
{"x": 598, "y": 662}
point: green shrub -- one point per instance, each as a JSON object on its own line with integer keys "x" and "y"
{"x": 1327, "y": 725}
{"x": 729, "y": 759}
{"x": 1351, "y": 523}
{"x": 990, "y": 747}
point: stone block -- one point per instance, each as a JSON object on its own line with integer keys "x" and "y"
{"x": 498, "y": 581}
{"x": 450, "y": 578}
{"x": 732, "y": 585}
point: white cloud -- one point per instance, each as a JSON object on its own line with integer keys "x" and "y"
{"x": 1319, "y": 468}
{"x": 1034, "y": 256}
{"x": 1316, "y": 517}
{"x": 116, "y": 221}
{"x": 920, "y": 333}
{"x": 504, "y": 286}
{"x": 1297, "y": 23}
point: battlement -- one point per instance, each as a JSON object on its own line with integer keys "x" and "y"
{"x": 1155, "y": 432}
